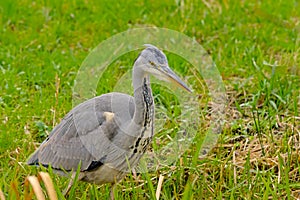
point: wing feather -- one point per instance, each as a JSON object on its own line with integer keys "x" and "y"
{"x": 83, "y": 136}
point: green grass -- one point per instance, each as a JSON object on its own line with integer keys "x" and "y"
{"x": 255, "y": 46}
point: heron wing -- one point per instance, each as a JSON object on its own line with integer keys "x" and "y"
{"x": 85, "y": 133}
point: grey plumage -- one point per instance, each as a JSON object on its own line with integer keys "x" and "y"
{"x": 108, "y": 134}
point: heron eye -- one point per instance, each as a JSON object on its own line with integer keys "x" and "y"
{"x": 152, "y": 63}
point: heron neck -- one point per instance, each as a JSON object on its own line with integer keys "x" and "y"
{"x": 144, "y": 107}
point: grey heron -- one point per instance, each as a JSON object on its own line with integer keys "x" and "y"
{"x": 108, "y": 134}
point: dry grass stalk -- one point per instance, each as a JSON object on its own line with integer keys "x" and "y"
{"x": 158, "y": 190}
{"x": 37, "y": 189}
{"x": 48, "y": 184}
{"x": 2, "y": 197}
{"x": 34, "y": 182}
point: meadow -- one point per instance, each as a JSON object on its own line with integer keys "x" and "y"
{"x": 254, "y": 44}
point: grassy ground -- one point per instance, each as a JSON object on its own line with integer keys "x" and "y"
{"x": 255, "y": 46}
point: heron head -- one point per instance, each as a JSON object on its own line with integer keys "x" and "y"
{"x": 155, "y": 62}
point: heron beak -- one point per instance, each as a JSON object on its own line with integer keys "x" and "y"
{"x": 172, "y": 77}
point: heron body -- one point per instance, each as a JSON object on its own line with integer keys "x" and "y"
{"x": 107, "y": 135}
